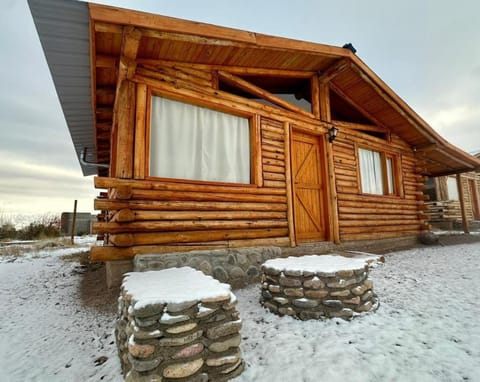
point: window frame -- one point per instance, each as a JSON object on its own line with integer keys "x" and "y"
{"x": 385, "y": 155}
{"x": 256, "y": 178}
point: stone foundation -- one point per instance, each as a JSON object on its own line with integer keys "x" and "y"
{"x": 191, "y": 339}
{"x": 236, "y": 266}
{"x": 290, "y": 289}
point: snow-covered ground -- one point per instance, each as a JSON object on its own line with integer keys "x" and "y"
{"x": 426, "y": 329}
{"x": 45, "y": 332}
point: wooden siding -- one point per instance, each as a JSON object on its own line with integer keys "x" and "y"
{"x": 148, "y": 214}
{"x": 371, "y": 216}
{"x": 443, "y": 209}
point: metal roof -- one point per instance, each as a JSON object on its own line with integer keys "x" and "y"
{"x": 63, "y": 28}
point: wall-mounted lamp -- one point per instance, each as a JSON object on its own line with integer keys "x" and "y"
{"x": 332, "y": 134}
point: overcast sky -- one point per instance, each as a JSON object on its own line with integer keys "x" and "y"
{"x": 426, "y": 51}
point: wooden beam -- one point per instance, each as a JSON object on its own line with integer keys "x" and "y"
{"x": 238, "y": 70}
{"x": 140, "y": 132}
{"x": 358, "y": 126}
{"x": 105, "y": 61}
{"x": 288, "y": 182}
{"x": 466, "y": 229}
{"x": 332, "y": 196}
{"x": 124, "y": 110}
{"x": 102, "y": 27}
{"x": 359, "y": 107}
{"x": 106, "y": 14}
{"x": 332, "y": 71}
{"x": 315, "y": 96}
{"x": 125, "y": 120}
{"x": 259, "y": 92}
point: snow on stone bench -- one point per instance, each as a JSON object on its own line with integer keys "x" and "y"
{"x": 316, "y": 286}
{"x": 178, "y": 323}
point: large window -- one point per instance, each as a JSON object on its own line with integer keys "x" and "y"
{"x": 377, "y": 172}
{"x": 196, "y": 143}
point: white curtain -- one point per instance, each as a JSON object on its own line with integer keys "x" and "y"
{"x": 452, "y": 189}
{"x": 391, "y": 184}
{"x": 192, "y": 142}
{"x": 371, "y": 171}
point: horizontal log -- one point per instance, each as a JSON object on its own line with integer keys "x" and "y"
{"x": 271, "y": 142}
{"x": 108, "y": 204}
{"x": 378, "y": 236}
{"x": 347, "y": 183}
{"x": 381, "y": 217}
{"x": 207, "y": 215}
{"x": 273, "y": 162}
{"x": 381, "y": 229}
{"x": 273, "y": 135}
{"x": 277, "y": 169}
{"x": 123, "y": 215}
{"x": 127, "y": 240}
{"x": 376, "y": 211}
{"x": 185, "y": 225}
{"x": 268, "y": 154}
{"x": 379, "y": 223}
{"x": 205, "y": 196}
{"x": 277, "y": 129}
{"x": 273, "y": 149}
{"x": 375, "y": 199}
{"x": 273, "y": 176}
{"x": 274, "y": 183}
{"x": 104, "y": 182}
{"x": 111, "y": 253}
{"x": 346, "y": 176}
{"x": 342, "y": 150}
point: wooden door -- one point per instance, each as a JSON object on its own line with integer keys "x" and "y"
{"x": 474, "y": 199}
{"x": 308, "y": 178}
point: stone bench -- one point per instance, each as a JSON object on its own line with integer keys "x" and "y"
{"x": 177, "y": 324}
{"x": 317, "y": 286}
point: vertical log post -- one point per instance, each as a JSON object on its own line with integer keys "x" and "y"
{"x": 125, "y": 100}
{"x": 325, "y": 116}
{"x": 74, "y": 220}
{"x": 462, "y": 204}
{"x": 288, "y": 182}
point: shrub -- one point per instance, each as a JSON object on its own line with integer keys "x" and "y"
{"x": 44, "y": 227}
{"x": 7, "y": 231}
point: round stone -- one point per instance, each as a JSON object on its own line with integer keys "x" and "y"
{"x": 183, "y": 370}
{"x": 220, "y": 274}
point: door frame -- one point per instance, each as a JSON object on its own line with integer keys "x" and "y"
{"x": 325, "y": 192}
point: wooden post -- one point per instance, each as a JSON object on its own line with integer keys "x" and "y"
{"x": 325, "y": 115}
{"x": 462, "y": 204}
{"x": 74, "y": 221}
{"x": 288, "y": 182}
{"x": 140, "y": 132}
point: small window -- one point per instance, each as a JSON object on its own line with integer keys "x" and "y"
{"x": 452, "y": 189}
{"x": 196, "y": 143}
{"x": 377, "y": 172}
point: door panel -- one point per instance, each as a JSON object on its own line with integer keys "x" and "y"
{"x": 308, "y": 188}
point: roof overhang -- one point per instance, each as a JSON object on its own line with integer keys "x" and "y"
{"x": 75, "y": 34}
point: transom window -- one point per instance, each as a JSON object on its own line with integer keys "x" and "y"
{"x": 197, "y": 143}
{"x": 377, "y": 172}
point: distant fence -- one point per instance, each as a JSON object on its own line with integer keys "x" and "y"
{"x": 83, "y": 224}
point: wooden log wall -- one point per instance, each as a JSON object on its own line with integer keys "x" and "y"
{"x": 145, "y": 214}
{"x": 376, "y": 217}
{"x": 446, "y": 210}
{"x": 150, "y": 215}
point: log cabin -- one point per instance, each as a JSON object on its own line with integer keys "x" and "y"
{"x": 202, "y": 136}
{"x": 451, "y": 203}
